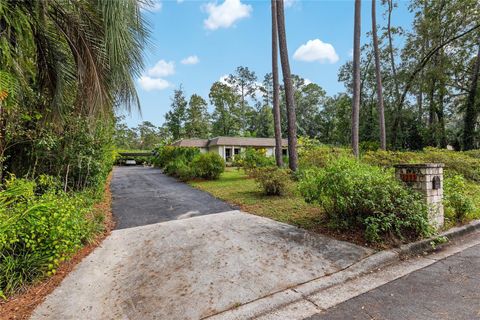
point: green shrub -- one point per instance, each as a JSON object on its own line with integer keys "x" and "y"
{"x": 388, "y": 159}
{"x": 166, "y": 154}
{"x": 253, "y": 158}
{"x": 360, "y": 196}
{"x": 208, "y": 165}
{"x": 38, "y": 231}
{"x": 455, "y": 162}
{"x": 320, "y": 156}
{"x": 180, "y": 169}
{"x": 465, "y": 164}
{"x": 273, "y": 180}
{"x": 456, "y": 201}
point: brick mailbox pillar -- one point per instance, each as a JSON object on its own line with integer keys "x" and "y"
{"x": 427, "y": 178}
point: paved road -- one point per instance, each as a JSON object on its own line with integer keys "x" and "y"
{"x": 448, "y": 289}
{"x": 143, "y": 195}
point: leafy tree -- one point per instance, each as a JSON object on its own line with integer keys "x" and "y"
{"x": 309, "y": 98}
{"x": 125, "y": 137}
{"x": 263, "y": 122}
{"x": 226, "y": 116}
{"x": 65, "y": 66}
{"x": 149, "y": 136}
{"x": 175, "y": 118}
{"x": 244, "y": 83}
{"x": 197, "y": 123}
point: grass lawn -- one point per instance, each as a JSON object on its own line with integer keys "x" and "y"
{"x": 235, "y": 187}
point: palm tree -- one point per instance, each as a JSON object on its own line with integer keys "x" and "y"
{"x": 276, "y": 89}
{"x": 356, "y": 79}
{"x": 378, "y": 75}
{"x": 287, "y": 81}
{"x": 68, "y": 59}
{"x": 85, "y": 52}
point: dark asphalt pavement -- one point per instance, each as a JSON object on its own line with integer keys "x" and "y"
{"x": 447, "y": 289}
{"x": 143, "y": 195}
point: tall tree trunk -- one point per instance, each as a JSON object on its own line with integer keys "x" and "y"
{"x": 276, "y": 89}
{"x": 378, "y": 75}
{"x": 440, "y": 106}
{"x": 398, "y": 117}
{"x": 390, "y": 49}
{"x": 470, "y": 110}
{"x": 420, "y": 105}
{"x": 441, "y": 123}
{"x": 432, "y": 113}
{"x": 356, "y": 80}
{"x": 287, "y": 81}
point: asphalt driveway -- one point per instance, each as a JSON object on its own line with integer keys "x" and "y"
{"x": 143, "y": 195}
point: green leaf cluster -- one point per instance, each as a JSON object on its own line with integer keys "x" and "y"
{"x": 40, "y": 226}
{"x": 357, "y": 196}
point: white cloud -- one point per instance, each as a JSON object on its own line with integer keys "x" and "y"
{"x": 316, "y": 50}
{"x": 154, "y": 6}
{"x": 190, "y": 60}
{"x": 150, "y": 84}
{"x": 162, "y": 69}
{"x": 225, "y": 14}
{"x": 289, "y": 3}
{"x": 307, "y": 81}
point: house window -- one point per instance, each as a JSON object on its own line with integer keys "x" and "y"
{"x": 228, "y": 154}
{"x": 236, "y": 151}
{"x": 284, "y": 152}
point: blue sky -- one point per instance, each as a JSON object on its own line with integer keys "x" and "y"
{"x": 195, "y": 43}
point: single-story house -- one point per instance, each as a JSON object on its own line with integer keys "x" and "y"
{"x": 228, "y": 147}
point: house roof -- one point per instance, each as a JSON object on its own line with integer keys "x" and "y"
{"x": 200, "y": 143}
{"x": 228, "y": 141}
{"x": 244, "y": 142}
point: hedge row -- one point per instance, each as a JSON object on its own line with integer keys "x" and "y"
{"x": 187, "y": 163}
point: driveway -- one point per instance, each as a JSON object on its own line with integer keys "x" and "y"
{"x": 143, "y": 195}
{"x": 189, "y": 268}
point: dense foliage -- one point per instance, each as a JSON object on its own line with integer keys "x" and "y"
{"x": 208, "y": 165}
{"x": 40, "y": 226}
{"x": 167, "y": 154}
{"x": 253, "y": 158}
{"x": 360, "y": 196}
{"x": 65, "y": 68}
{"x": 187, "y": 163}
{"x": 458, "y": 205}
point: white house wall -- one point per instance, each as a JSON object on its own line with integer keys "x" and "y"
{"x": 270, "y": 151}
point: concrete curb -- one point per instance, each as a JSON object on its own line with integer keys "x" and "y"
{"x": 436, "y": 242}
{"x": 300, "y": 296}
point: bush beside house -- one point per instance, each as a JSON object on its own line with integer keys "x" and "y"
{"x": 187, "y": 163}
